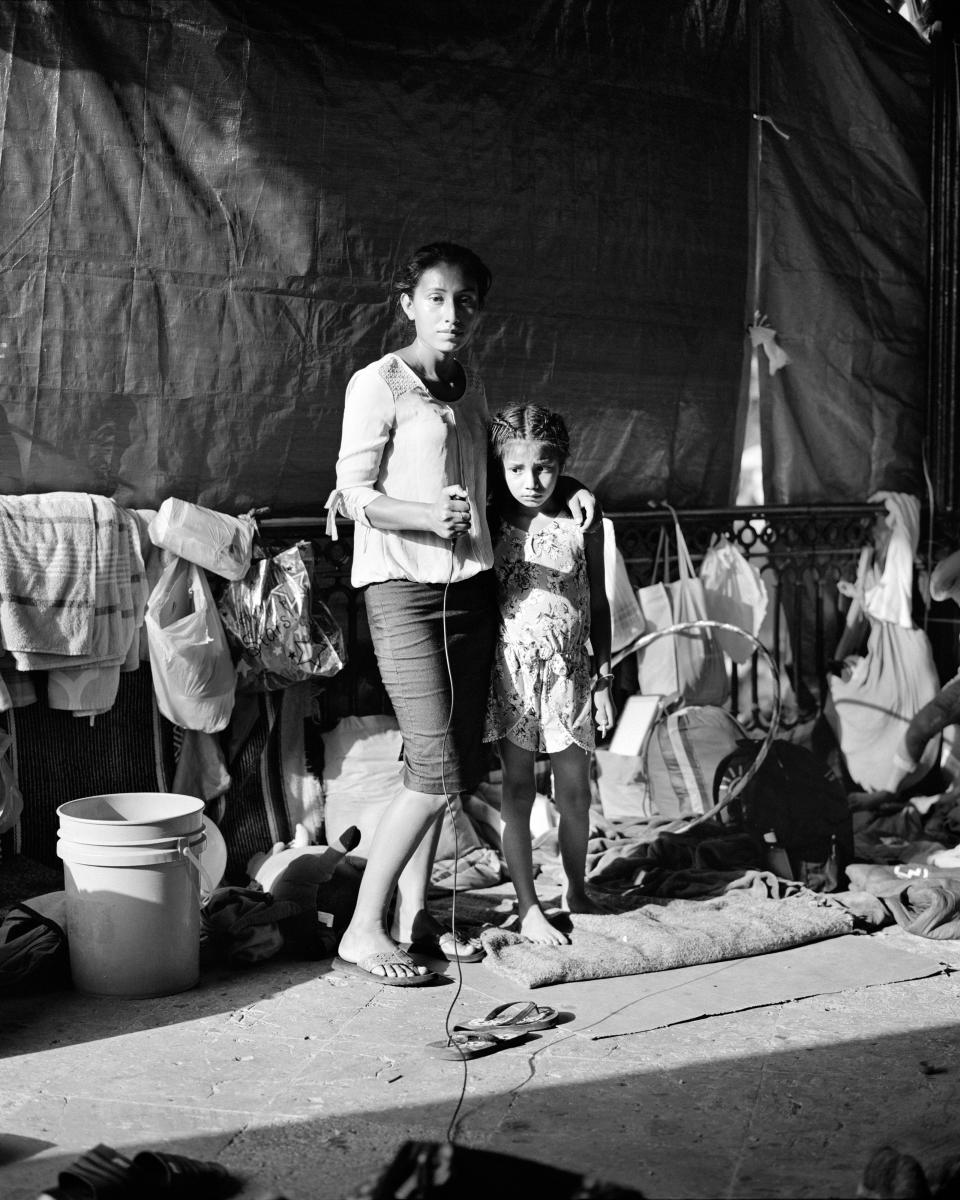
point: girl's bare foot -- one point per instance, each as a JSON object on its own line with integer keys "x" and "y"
{"x": 536, "y": 928}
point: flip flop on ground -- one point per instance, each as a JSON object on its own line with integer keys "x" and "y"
{"x": 386, "y": 958}
{"x": 513, "y": 1015}
{"x": 472, "y": 1045}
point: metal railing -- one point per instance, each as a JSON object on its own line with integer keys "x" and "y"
{"x": 802, "y": 552}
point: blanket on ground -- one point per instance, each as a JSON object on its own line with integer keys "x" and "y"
{"x": 664, "y": 934}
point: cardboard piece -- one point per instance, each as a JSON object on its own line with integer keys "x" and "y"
{"x": 819, "y": 968}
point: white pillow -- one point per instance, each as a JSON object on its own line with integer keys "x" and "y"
{"x": 362, "y": 773}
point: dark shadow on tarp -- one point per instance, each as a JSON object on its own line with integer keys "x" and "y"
{"x": 227, "y": 189}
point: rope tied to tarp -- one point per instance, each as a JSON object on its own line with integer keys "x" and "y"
{"x": 772, "y": 123}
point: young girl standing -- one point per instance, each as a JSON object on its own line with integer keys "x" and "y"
{"x": 543, "y": 688}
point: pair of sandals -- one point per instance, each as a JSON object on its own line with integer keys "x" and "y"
{"x": 503, "y": 1026}
{"x": 105, "y": 1174}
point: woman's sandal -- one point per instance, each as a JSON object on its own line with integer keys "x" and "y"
{"x": 514, "y": 1015}
{"x": 446, "y": 944}
{"x": 366, "y": 968}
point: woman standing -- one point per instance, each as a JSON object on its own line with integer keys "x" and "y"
{"x": 412, "y": 476}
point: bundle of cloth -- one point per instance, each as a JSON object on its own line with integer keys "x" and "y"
{"x": 923, "y": 900}
{"x": 73, "y": 592}
{"x": 895, "y": 826}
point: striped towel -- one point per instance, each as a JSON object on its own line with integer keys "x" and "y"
{"x": 119, "y": 593}
{"x": 48, "y": 565}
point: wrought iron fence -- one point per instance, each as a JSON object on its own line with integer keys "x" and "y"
{"x": 801, "y": 551}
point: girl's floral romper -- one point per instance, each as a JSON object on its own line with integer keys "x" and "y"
{"x": 540, "y": 699}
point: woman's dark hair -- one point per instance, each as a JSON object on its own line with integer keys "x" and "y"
{"x": 529, "y": 423}
{"x": 409, "y": 273}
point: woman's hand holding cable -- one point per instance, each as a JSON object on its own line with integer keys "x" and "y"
{"x": 449, "y": 515}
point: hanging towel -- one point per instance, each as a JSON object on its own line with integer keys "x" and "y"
{"x": 47, "y": 573}
{"x": 119, "y": 595}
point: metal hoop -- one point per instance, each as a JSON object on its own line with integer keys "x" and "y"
{"x": 705, "y": 625}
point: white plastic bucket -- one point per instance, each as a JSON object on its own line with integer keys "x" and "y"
{"x": 131, "y": 874}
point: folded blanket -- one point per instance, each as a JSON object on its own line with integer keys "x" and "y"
{"x": 664, "y": 934}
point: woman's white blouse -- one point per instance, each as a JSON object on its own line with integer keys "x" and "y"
{"x": 399, "y": 441}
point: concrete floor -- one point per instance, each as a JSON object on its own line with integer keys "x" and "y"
{"x": 304, "y": 1082}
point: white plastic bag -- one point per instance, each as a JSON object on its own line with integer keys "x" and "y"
{"x": 362, "y": 775}
{"x": 690, "y": 664}
{"x": 734, "y": 593}
{"x": 193, "y": 674}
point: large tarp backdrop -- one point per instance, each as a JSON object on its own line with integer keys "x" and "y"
{"x": 842, "y": 259}
{"x": 202, "y": 203}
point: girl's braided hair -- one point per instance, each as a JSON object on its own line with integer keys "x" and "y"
{"x": 529, "y": 423}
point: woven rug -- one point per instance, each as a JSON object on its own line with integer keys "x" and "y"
{"x": 664, "y": 934}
